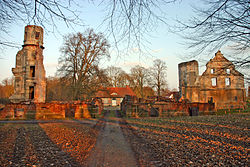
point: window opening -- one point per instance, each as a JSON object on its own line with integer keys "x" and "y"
{"x": 37, "y": 35}
{"x": 25, "y": 36}
{"x": 228, "y": 71}
{"x": 210, "y": 100}
{"x": 214, "y": 81}
{"x": 227, "y": 81}
{"x": 31, "y": 93}
{"x": 212, "y": 71}
{"x": 32, "y": 71}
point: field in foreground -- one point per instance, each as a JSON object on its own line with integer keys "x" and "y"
{"x": 193, "y": 141}
{"x": 181, "y": 141}
{"x": 52, "y": 143}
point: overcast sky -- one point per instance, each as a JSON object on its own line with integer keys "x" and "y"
{"x": 163, "y": 44}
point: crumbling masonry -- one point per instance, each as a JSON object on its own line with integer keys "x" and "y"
{"x": 29, "y": 73}
{"x": 220, "y": 83}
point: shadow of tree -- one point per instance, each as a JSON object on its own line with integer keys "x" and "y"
{"x": 33, "y": 141}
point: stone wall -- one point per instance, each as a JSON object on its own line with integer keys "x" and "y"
{"x": 134, "y": 108}
{"x": 53, "y": 110}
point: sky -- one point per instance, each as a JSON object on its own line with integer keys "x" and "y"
{"x": 163, "y": 45}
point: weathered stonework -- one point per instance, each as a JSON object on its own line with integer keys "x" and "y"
{"x": 29, "y": 73}
{"x": 221, "y": 83}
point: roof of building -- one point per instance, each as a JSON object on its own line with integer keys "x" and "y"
{"x": 115, "y": 92}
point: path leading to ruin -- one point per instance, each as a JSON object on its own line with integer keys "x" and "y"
{"x": 111, "y": 148}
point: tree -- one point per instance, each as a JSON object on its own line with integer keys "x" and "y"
{"x": 57, "y": 89}
{"x": 6, "y": 89}
{"x": 221, "y": 23}
{"x": 127, "y": 21}
{"x": 44, "y": 13}
{"x": 114, "y": 74}
{"x": 158, "y": 76}
{"x": 81, "y": 53}
{"x": 140, "y": 78}
{"x": 96, "y": 78}
{"x": 132, "y": 21}
{"x": 117, "y": 77}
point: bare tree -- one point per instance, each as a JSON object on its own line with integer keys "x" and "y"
{"x": 140, "y": 79}
{"x": 6, "y": 88}
{"x": 81, "y": 53}
{"x": 96, "y": 78}
{"x": 46, "y": 13}
{"x": 158, "y": 76}
{"x": 58, "y": 89}
{"x": 131, "y": 21}
{"x": 126, "y": 21}
{"x": 117, "y": 77}
{"x": 221, "y": 23}
{"x": 114, "y": 74}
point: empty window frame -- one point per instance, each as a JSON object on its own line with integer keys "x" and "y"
{"x": 228, "y": 71}
{"x": 214, "y": 81}
{"x": 212, "y": 70}
{"x": 37, "y": 35}
{"x": 227, "y": 81}
{"x": 32, "y": 71}
{"x": 25, "y": 36}
{"x": 31, "y": 92}
{"x": 210, "y": 100}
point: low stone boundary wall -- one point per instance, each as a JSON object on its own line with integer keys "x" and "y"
{"x": 164, "y": 109}
{"x": 53, "y": 110}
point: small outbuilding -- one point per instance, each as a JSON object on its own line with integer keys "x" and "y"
{"x": 113, "y": 96}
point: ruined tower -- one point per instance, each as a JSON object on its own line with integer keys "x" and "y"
{"x": 188, "y": 76}
{"x": 29, "y": 72}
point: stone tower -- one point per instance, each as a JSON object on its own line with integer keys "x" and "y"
{"x": 29, "y": 73}
{"x": 188, "y": 75}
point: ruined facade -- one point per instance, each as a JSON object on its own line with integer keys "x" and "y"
{"x": 29, "y": 73}
{"x": 220, "y": 83}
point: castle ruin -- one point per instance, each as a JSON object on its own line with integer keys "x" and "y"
{"x": 220, "y": 83}
{"x": 29, "y": 72}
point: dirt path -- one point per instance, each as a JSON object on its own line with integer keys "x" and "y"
{"x": 111, "y": 148}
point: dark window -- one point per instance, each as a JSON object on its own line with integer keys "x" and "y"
{"x": 32, "y": 71}
{"x": 235, "y": 98}
{"x": 25, "y": 36}
{"x": 37, "y": 35}
{"x": 32, "y": 92}
{"x": 210, "y": 100}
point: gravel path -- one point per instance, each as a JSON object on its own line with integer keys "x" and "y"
{"x": 111, "y": 148}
